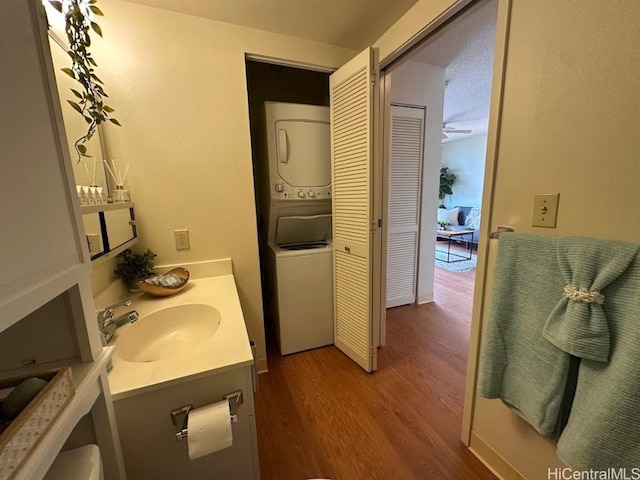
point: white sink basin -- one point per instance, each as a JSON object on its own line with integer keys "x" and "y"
{"x": 167, "y": 333}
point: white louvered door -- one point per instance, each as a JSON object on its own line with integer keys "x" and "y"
{"x": 405, "y": 180}
{"x": 353, "y": 106}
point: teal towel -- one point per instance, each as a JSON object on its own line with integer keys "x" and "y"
{"x": 535, "y": 378}
{"x": 517, "y": 365}
{"x": 578, "y": 324}
{"x": 604, "y": 426}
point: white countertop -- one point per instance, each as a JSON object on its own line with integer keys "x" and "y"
{"x": 227, "y": 348}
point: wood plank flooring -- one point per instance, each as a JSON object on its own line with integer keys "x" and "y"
{"x": 320, "y": 416}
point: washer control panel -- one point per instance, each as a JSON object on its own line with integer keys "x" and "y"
{"x": 282, "y": 191}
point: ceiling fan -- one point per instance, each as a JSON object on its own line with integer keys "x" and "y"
{"x": 446, "y": 129}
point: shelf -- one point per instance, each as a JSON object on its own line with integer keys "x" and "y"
{"x": 104, "y": 207}
{"x": 85, "y": 378}
{"x": 37, "y": 292}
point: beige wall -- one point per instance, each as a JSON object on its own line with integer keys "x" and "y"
{"x": 178, "y": 85}
{"x": 570, "y": 117}
{"x": 421, "y": 84}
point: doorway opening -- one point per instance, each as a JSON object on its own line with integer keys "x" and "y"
{"x": 450, "y": 75}
{"x": 287, "y": 106}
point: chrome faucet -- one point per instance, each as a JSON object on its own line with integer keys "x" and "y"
{"x": 108, "y": 322}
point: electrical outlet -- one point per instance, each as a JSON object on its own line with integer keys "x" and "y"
{"x": 93, "y": 241}
{"x": 545, "y": 210}
{"x": 182, "y": 239}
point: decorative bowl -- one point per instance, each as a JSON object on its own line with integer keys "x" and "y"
{"x": 161, "y": 290}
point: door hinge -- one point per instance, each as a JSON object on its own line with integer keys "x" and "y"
{"x": 376, "y": 224}
{"x": 372, "y": 351}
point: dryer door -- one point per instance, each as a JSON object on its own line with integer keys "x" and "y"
{"x": 303, "y": 152}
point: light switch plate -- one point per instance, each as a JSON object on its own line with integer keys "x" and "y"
{"x": 545, "y": 210}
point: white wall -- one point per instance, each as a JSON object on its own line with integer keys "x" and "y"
{"x": 421, "y": 84}
{"x": 178, "y": 85}
{"x": 465, "y": 158}
{"x": 570, "y": 116}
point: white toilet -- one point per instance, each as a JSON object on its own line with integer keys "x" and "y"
{"x": 83, "y": 463}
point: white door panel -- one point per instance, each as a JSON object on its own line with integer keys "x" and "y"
{"x": 352, "y": 154}
{"x": 405, "y": 181}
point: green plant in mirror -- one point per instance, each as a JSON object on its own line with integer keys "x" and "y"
{"x": 134, "y": 266}
{"x": 90, "y": 97}
{"x": 447, "y": 179}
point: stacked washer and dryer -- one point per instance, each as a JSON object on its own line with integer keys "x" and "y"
{"x": 298, "y": 220}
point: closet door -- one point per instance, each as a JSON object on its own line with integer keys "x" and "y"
{"x": 353, "y": 100}
{"x": 405, "y": 181}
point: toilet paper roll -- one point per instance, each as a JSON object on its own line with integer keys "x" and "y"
{"x": 209, "y": 429}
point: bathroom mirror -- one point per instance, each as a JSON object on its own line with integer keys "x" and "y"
{"x": 120, "y": 227}
{"x": 90, "y": 170}
{"x": 109, "y": 229}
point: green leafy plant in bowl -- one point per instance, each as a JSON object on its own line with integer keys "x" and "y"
{"x": 133, "y": 267}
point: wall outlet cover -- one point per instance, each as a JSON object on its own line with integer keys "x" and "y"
{"x": 93, "y": 241}
{"x": 182, "y": 239}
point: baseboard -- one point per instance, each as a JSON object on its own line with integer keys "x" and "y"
{"x": 492, "y": 460}
{"x": 425, "y": 298}
{"x": 398, "y": 301}
{"x": 262, "y": 365}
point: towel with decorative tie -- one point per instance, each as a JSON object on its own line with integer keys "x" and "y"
{"x": 558, "y": 303}
{"x": 516, "y": 364}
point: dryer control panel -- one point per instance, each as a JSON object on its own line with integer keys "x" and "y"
{"x": 282, "y": 191}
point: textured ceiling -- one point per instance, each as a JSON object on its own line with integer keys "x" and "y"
{"x": 466, "y": 48}
{"x": 351, "y": 24}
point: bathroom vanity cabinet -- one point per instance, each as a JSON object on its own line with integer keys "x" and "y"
{"x": 158, "y": 367}
{"x": 47, "y": 315}
{"x": 149, "y": 443}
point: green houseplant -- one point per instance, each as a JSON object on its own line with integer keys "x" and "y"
{"x": 90, "y": 97}
{"x": 447, "y": 179}
{"x": 133, "y": 267}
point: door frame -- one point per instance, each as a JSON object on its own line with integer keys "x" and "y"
{"x": 491, "y": 161}
{"x": 493, "y": 137}
{"x": 262, "y": 364}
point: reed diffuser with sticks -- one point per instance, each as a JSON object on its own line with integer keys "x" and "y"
{"x": 95, "y": 193}
{"x": 119, "y": 176}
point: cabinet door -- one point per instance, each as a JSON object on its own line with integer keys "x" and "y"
{"x": 40, "y": 249}
{"x": 148, "y": 436}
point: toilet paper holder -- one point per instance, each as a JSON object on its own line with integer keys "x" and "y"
{"x": 235, "y": 400}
